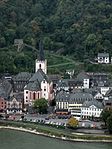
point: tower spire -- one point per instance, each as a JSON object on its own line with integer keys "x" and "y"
{"x": 41, "y": 51}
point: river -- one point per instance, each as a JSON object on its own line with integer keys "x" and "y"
{"x": 11, "y": 139}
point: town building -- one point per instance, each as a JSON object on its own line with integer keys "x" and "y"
{"x": 20, "y": 80}
{"x": 75, "y": 102}
{"x": 14, "y": 105}
{"x": 62, "y": 100}
{"x": 84, "y": 77}
{"x": 91, "y": 109}
{"x": 108, "y": 94}
{"x": 3, "y": 104}
{"x": 6, "y": 89}
{"x": 63, "y": 85}
{"x": 99, "y": 97}
{"x": 108, "y": 103}
{"x": 103, "y": 58}
{"x": 55, "y": 79}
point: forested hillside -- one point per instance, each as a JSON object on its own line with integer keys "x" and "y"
{"x": 80, "y": 28}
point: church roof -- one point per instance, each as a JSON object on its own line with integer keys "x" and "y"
{"x": 40, "y": 76}
{"x": 22, "y": 76}
{"x": 35, "y": 81}
{"x": 33, "y": 86}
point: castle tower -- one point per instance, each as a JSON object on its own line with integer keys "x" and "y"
{"x": 41, "y": 62}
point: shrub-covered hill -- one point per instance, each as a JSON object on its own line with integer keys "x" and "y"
{"x": 80, "y": 28}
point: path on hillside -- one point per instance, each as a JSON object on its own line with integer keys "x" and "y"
{"x": 71, "y": 61}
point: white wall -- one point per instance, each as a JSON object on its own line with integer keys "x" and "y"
{"x": 104, "y": 90}
{"x": 61, "y": 105}
{"x": 43, "y": 66}
{"x": 45, "y": 89}
{"x": 103, "y": 60}
{"x": 26, "y": 97}
{"x": 91, "y": 111}
{"x": 86, "y": 83}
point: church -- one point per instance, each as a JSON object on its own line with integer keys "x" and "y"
{"x": 39, "y": 85}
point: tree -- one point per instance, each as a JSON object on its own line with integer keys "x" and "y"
{"x": 104, "y": 115}
{"x": 109, "y": 123}
{"x": 72, "y": 122}
{"x": 41, "y": 105}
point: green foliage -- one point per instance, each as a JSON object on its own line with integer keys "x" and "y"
{"x": 41, "y": 105}
{"x": 80, "y": 28}
{"x": 109, "y": 123}
{"x": 105, "y": 115}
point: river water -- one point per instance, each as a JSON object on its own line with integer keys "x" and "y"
{"x": 11, "y": 139}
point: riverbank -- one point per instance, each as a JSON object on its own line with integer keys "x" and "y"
{"x": 62, "y": 137}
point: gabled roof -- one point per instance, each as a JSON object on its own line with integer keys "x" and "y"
{"x": 18, "y": 96}
{"x": 80, "y": 97}
{"x": 103, "y": 54}
{"x": 92, "y": 91}
{"x": 108, "y": 93}
{"x": 40, "y": 76}
{"x": 93, "y": 102}
{"x": 55, "y": 78}
{"x": 23, "y": 76}
{"x": 5, "y": 88}
{"x": 82, "y": 75}
{"x": 63, "y": 83}
{"x": 75, "y": 82}
{"x": 62, "y": 96}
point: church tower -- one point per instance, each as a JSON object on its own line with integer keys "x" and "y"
{"x": 41, "y": 62}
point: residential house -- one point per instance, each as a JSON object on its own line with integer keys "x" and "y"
{"x": 75, "y": 84}
{"x": 14, "y": 105}
{"x": 20, "y": 80}
{"x": 103, "y": 58}
{"x": 3, "y": 104}
{"x": 63, "y": 85}
{"x": 108, "y": 94}
{"x": 99, "y": 97}
{"x": 108, "y": 103}
{"x": 84, "y": 77}
{"x": 55, "y": 79}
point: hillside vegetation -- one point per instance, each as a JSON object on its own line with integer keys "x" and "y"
{"x": 79, "y": 28}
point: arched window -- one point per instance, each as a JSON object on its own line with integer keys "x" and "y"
{"x": 40, "y": 66}
{"x": 33, "y": 95}
{"x": 38, "y": 95}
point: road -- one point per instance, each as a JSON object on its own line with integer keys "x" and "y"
{"x": 44, "y": 119}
